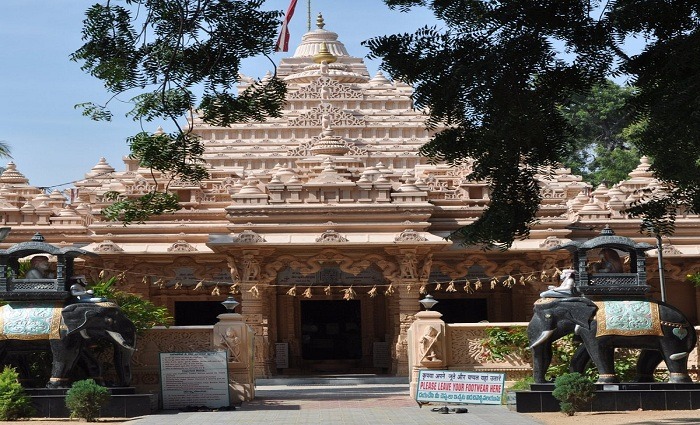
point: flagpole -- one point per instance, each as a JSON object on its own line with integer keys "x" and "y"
{"x": 308, "y": 16}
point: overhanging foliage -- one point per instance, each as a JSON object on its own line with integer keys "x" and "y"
{"x": 495, "y": 76}
{"x": 175, "y": 58}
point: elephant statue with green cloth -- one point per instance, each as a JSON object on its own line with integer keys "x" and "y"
{"x": 68, "y": 332}
{"x": 660, "y": 330}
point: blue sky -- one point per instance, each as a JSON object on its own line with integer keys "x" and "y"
{"x": 52, "y": 143}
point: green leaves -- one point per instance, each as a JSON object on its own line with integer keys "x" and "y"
{"x": 167, "y": 48}
{"x": 258, "y": 102}
{"x": 14, "y": 402}
{"x": 94, "y": 112}
{"x": 494, "y": 80}
{"x": 142, "y": 313}
{"x": 168, "y": 55}
{"x": 85, "y": 399}
{"x": 178, "y": 153}
{"x": 603, "y": 130}
{"x": 573, "y": 391}
{"x": 500, "y": 343}
{"x": 501, "y": 74}
{"x": 140, "y": 209}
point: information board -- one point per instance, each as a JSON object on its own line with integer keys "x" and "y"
{"x": 451, "y": 386}
{"x": 194, "y": 379}
{"x": 380, "y": 355}
{"x": 281, "y": 355}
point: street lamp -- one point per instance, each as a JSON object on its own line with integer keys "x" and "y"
{"x": 660, "y": 259}
{"x": 230, "y": 304}
{"x": 428, "y": 302}
{"x": 654, "y": 230}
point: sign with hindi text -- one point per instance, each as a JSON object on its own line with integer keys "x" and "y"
{"x": 452, "y": 386}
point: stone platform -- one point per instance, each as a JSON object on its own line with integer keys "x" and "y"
{"x": 124, "y": 403}
{"x": 616, "y": 397}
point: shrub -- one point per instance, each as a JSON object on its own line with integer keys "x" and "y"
{"x": 573, "y": 391}
{"x": 85, "y": 399}
{"x": 522, "y": 384}
{"x": 500, "y": 343}
{"x": 14, "y": 403}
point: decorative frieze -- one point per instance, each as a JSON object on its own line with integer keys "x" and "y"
{"x": 314, "y": 117}
{"x": 181, "y": 246}
{"x": 247, "y": 237}
{"x": 331, "y": 236}
{"x": 107, "y": 246}
{"x": 326, "y": 88}
{"x": 410, "y": 235}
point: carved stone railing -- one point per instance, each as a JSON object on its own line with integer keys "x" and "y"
{"x": 146, "y": 360}
{"x": 463, "y": 342}
{"x": 186, "y": 339}
{"x": 466, "y": 351}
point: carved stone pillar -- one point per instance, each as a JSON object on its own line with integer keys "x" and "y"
{"x": 405, "y": 279}
{"x": 255, "y": 309}
{"x": 409, "y": 296}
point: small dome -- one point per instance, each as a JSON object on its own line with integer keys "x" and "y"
{"x": 379, "y": 78}
{"x": 311, "y": 42}
{"x": 57, "y": 196}
{"x": 11, "y": 175}
{"x": 101, "y": 169}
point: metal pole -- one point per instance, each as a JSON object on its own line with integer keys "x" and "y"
{"x": 660, "y": 257}
{"x": 308, "y": 16}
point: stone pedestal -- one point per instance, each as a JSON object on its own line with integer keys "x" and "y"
{"x": 232, "y": 334}
{"x": 616, "y": 397}
{"x": 426, "y": 345}
{"x": 123, "y": 403}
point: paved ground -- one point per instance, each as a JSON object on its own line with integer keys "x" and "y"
{"x": 338, "y": 404}
{"x": 383, "y": 402}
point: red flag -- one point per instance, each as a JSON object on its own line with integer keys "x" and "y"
{"x": 283, "y": 40}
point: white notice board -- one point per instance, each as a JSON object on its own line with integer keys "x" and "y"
{"x": 453, "y": 386}
{"x": 194, "y": 379}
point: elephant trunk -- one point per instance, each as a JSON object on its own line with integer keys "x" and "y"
{"x": 122, "y": 365}
{"x": 123, "y": 351}
{"x": 544, "y": 336}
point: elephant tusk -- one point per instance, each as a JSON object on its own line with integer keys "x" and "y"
{"x": 678, "y": 356}
{"x": 120, "y": 340}
{"x": 543, "y": 337}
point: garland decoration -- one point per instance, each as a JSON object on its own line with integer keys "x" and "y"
{"x": 349, "y": 293}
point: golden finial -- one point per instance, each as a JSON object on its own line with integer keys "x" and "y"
{"x": 319, "y": 21}
{"x": 324, "y": 55}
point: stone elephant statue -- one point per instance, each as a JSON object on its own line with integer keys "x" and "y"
{"x": 660, "y": 330}
{"x": 67, "y": 332}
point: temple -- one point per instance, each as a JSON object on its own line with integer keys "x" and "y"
{"x": 329, "y": 227}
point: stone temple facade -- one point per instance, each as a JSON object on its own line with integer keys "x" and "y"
{"x": 329, "y": 228}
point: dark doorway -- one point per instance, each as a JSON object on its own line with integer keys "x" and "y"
{"x": 330, "y": 330}
{"x": 469, "y": 310}
{"x": 192, "y": 313}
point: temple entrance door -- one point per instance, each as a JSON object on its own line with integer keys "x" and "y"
{"x": 331, "y": 336}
